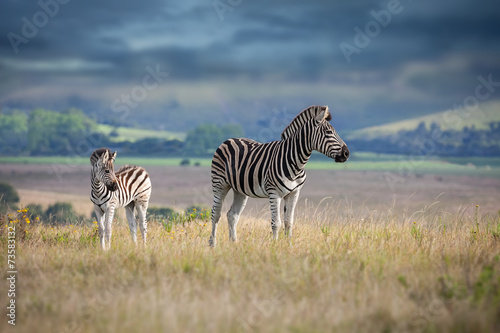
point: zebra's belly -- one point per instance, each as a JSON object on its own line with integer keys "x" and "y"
{"x": 258, "y": 190}
{"x": 287, "y": 186}
{"x": 251, "y": 189}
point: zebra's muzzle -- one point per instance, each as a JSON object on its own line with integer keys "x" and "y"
{"x": 343, "y": 156}
{"x": 113, "y": 186}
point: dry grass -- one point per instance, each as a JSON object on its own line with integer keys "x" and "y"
{"x": 376, "y": 272}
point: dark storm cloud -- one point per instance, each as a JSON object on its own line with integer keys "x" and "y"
{"x": 437, "y": 48}
{"x": 102, "y": 30}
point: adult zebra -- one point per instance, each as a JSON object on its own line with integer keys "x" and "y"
{"x": 273, "y": 170}
{"x": 129, "y": 187}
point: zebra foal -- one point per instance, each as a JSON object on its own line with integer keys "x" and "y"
{"x": 129, "y": 187}
{"x": 273, "y": 170}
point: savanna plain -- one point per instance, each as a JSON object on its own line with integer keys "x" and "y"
{"x": 374, "y": 249}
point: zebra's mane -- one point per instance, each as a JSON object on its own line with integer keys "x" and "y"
{"x": 302, "y": 118}
{"x": 125, "y": 168}
{"x": 97, "y": 154}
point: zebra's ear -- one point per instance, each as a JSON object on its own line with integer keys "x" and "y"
{"x": 112, "y": 156}
{"x": 324, "y": 114}
{"x": 105, "y": 156}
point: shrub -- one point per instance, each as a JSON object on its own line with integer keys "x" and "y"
{"x": 8, "y": 193}
{"x": 62, "y": 212}
{"x": 198, "y": 211}
{"x": 8, "y": 197}
{"x": 35, "y": 210}
{"x": 161, "y": 212}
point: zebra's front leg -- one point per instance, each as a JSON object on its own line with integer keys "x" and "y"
{"x": 290, "y": 203}
{"x": 275, "y": 202}
{"x": 233, "y": 215}
{"x": 100, "y": 223}
{"x": 110, "y": 212}
{"x": 219, "y": 195}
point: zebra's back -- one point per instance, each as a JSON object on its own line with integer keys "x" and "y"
{"x": 134, "y": 184}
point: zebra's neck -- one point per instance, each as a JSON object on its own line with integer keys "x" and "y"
{"x": 99, "y": 193}
{"x": 299, "y": 149}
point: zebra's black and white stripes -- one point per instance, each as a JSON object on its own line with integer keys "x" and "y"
{"x": 273, "y": 170}
{"x": 129, "y": 187}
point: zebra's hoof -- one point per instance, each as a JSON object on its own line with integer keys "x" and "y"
{"x": 211, "y": 242}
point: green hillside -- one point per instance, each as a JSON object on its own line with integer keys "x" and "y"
{"x": 447, "y": 120}
{"x": 135, "y": 134}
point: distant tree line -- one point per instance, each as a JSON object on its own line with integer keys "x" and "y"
{"x": 435, "y": 141}
{"x": 200, "y": 141}
{"x": 44, "y": 132}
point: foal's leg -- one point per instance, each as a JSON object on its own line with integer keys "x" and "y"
{"x": 142, "y": 208}
{"x": 130, "y": 211}
{"x": 100, "y": 223}
{"x": 110, "y": 212}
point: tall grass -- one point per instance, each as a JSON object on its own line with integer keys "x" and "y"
{"x": 343, "y": 271}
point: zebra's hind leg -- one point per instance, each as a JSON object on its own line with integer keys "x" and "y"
{"x": 219, "y": 196}
{"x": 142, "y": 208}
{"x": 290, "y": 203}
{"x": 233, "y": 215}
{"x": 132, "y": 224}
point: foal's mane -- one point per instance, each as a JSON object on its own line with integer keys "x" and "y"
{"x": 97, "y": 154}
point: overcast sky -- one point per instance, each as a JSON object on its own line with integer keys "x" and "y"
{"x": 231, "y": 56}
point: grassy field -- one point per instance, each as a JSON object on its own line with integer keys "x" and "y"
{"x": 383, "y": 272}
{"x": 365, "y": 256}
{"x": 134, "y": 134}
{"x": 360, "y": 162}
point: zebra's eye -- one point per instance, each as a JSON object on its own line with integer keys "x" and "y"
{"x": 107, "y": 171}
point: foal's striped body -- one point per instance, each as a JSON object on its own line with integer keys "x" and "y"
{"x": 129, "y": 187}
